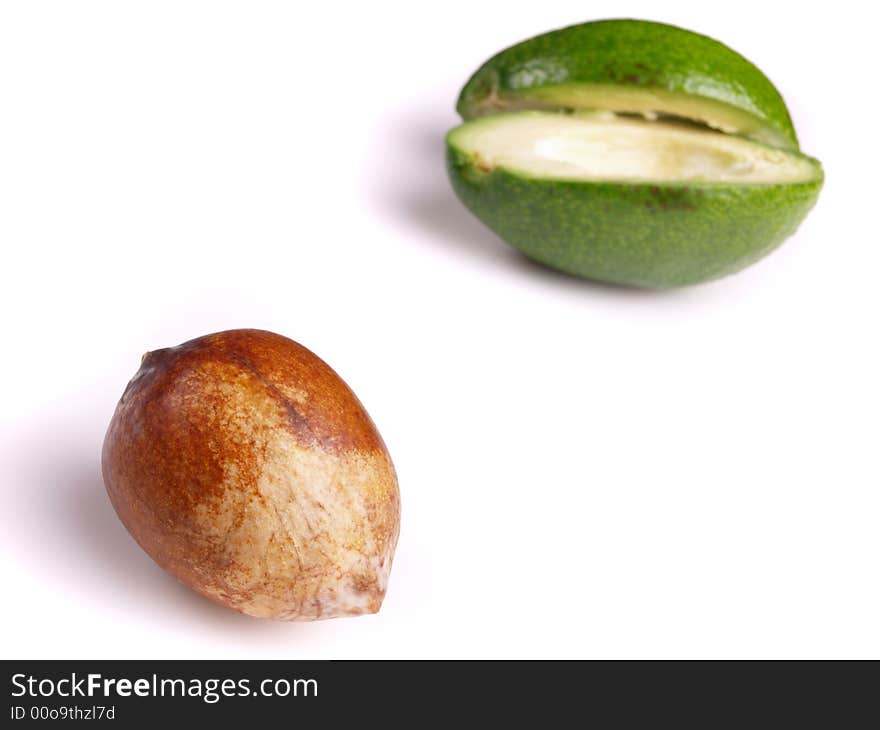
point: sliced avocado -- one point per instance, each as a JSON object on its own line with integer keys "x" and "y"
{"x": 648, "y": 204}
{"x": 631, "y": 152}
{"x": 632, "y": 66}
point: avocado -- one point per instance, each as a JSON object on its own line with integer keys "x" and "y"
{"x": 631, "y": 152}
{"x": 632, "y": 66}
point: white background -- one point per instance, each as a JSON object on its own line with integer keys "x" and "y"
{"x": 586, "y": 471}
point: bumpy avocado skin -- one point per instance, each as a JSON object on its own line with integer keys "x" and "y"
{"x": 642, "y": 235}
{"x": 633, "y": 53}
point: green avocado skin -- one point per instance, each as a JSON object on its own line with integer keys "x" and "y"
{"x": 642, "y": 235}
{"x": 633, "y": 53}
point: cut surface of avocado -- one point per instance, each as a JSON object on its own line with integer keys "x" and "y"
{"x": 651, "y": 103}
{"x": 606, "y": 147}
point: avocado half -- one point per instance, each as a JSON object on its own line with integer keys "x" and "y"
{"x": 631, "y": 152}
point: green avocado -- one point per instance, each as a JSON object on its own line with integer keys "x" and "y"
{"x": 631, "y": 152}
{"x": 632, "y": 66}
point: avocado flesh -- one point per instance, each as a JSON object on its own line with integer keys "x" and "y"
{"x": 606, "y": 147}
{"x": 650, "y": 103}
{"x": 651, "y": 204}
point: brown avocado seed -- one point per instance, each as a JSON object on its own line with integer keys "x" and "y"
{"x": 246, "y": 468}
